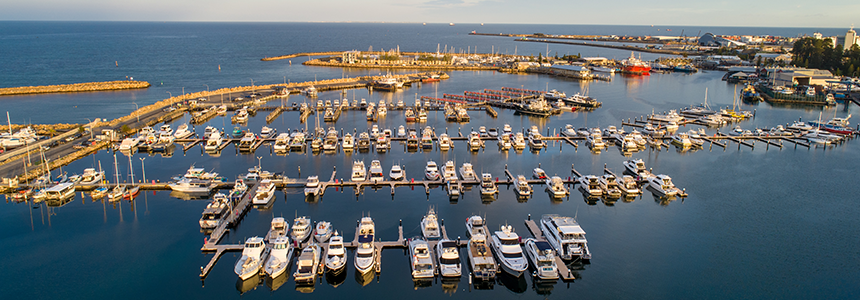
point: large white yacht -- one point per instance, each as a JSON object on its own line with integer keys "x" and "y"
{"x": 506, "y": 245}
{"x": 609, "y": 185}
{"x": 521, "y": 186}
{"x": 322, "y": 231}
{"x": 481, "y": 259}
{"x": 396, "y": 173}
{"x": 467, "y": 172}
{"x": 335, "y": 259}
{"x": 555, "y": 187}
{"x": 376, "y": 173}
{"x": 431, "y": 171}
{"x": 358, "y": 171}
{"x": 488, "y": 187}
{"x": 301, "y": 229}
{"x": 430, "y": 225}
{"x": 215, "y": 212}
{"x": 449, "y": 171}
{"x": 421, "y": 260}
{"x": 475, "y": 226}
{"x": 282, "y": 143}
{"x": 365, "y": 254}
{"x": 448, "y": 256}
{"x": 590, "y": 184}
{"x": 636, "y": 167}
{"x": 542, "y": 257}
{"x": 279, "y": 257}
{"x": 566, "y": 237}
{"x": 308, "y": 264}
{"x": 662, "y": 185}
{"x": 312, "y": 187}
{"x": 252, "y": 258}
{"x": 265, "y": 193}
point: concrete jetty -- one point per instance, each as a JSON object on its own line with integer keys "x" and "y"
{"x": 75, "y": 87}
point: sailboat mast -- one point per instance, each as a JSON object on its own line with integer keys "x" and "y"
{"x": 130, "y": 170}
{"x": 116, "y": 167}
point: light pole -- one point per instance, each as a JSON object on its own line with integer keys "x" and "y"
{"x": 259, "y": 162}
{"x": 252, "y": 85}
{"x": 143, "y": 168}
{"x": 136, "y": 108}
{"x": 207, "y": 88}
{"x": 91, "y": 128}
{"x": 168, "y": 93}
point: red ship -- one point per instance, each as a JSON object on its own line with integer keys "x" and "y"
{"x": 635, "y": 66}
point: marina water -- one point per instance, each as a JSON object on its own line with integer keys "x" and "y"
{"x": 759, "y": 223}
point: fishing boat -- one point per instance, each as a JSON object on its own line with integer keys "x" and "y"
{"x": 634, "y": 66}
{"x": 215, "y": 211}
{"x": 265, "y": 193}
{"x": 421, "y": 261}
{"x": 365, "y": 254}
{"x": 609, "y": 185}
{"x": 542, "y": 257}
{"x": 555, "y": 187}
{"x": 553, "y": 95}
{"x": 251, "y": 262}
{"x": 506, "y": 245}
{"x": 358, "y": 171}
{"x": 481, "y": 259}
{"x": 488, "y": 187}
{"x": 279, "y": 257}
{"x": 749, "y": 94}
{"x": 322, "y": 231}
{"x": 308, "y": 264}
{"x": 590, "y": 185}
{"x": 566, "y": 237}
{"x": 301, "y": 229}
{"x": 521, "y": 186}
{"x": 431, "y": 171}
{"x": 397, "y": 173}
{"x": 537, "y": 107}
{"x": 312, "y": 186}
{"x": 430, "y": 225}
{"x": 448, "y": 256}
{"x": 467, "y": 172}
{"x": 386, "y": 83}
{"x": 662, "y": 185}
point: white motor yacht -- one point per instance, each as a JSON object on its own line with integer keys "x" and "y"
{"x": 629, "y": 186}
{"x": 475, "y": 226}
{"x": 278, "y": 228}
{"x": 191, "y": 185}
{"x": 322, "y": 231}
{"x": 213, "y": 142}
{"x": 519, "y": 141}
{"x": 265, "y": 193}
{"x": 444, "y": 142}
{"x": 636, "y": 167}
{"x": 569, "y": 131}
{"x": 662, "y": 185}
{"x": 335, "y": 259}
{"x": 301, "y": 230}
{"x": 279, "y": 257}
{"x": 538, "y": 173}
{"x": 91, "y": 176}
{"x": 609, "y": 185}
{"x": 595, "y": 141}
{"x": 358, "y": 171}
{"x": 365, "y": 254}
{"x": 488, "y": 187}
{"x": 449, "y": 171}
{"x": 182, "y": 132}
{"x": 348, "y": 142}
{"x": 430, "y": 225}
{"x": 542, "y": 257}
{"x": 396, "y": 173}
{"x": 521, "y": 186}
{"x": 312, "y": 187}
{"x": 555, "y": 187}
{"x": 682, "y": 140}
{"x": 566, "y": 237}
{"x": 590, "y": 184}
{"x": 506, "y": 245}
{"x": 252, "y": 258}
{"x": 448, "y": 256}
{"x": 421, "y": 259}
{"x": 481, "y": 259}
{"x": 431, "y": 171}
{"x": 308, "y": 264}
{"x": 376, "y": 173}
{"x": 215, "y": 211}
{"x": 282, "y": 142}
{"x": 504, "y": 141}
{"x": 468, "y": 173}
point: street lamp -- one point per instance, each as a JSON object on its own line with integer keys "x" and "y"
{"x": 252, "y": 85}
{"x": 168, "y": 93}
{"x": 91, "y": 128}
{"x": 259, "y": 161}
{"x": 207, "y": 88}
{"x": 136, "y": 108}
{"x": 143, "y": 168}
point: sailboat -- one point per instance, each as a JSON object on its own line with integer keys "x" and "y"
{"x": 131, "y": 192}
{"x": 119, "y": 190}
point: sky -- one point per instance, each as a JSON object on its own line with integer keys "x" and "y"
{"x": 757, "y": 13}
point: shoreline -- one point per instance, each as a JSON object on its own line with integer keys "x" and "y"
{"x": 75, "y": 87}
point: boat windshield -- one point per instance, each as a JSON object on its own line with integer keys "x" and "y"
{"x": 510, "y": 242}
{"x": 365, "y": 255}
{"x": 423, "y": 267}
{"x": 450, "y": 261}
{"x": 512, "y": 255}
{"x": 334, "y": 247}
{"x": 280, "y": 246}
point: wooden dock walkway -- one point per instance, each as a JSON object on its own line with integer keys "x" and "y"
{"x": 211, "y": 243}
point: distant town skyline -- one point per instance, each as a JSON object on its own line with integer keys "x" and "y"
{"x": 765, "y": 13}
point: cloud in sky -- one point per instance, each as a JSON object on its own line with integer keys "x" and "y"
{"x": 768, "y": 13}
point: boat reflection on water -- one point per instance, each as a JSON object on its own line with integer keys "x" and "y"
{"x": 449, "y": 285}
{"x": 588, "y": 198}
{"x": 662, "y": 200}
{"x": 243, "y": 286}
{"x": 421, "y": 283}
{"x": 189, "y": 196}
{"x": 608, "y": 201}
{"x": 335, "y": 280}
{"x": 305, "y": 288}
{"x": 363, "y": 279}
{"x": 276, "y": 283}
{"x": 60, "y": 202}
{"x": 543, "y": 286}
{"x": 515, "y": 284}
{"x": 629, "y": 198}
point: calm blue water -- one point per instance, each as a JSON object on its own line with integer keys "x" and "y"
{"x": 762, "y": 223}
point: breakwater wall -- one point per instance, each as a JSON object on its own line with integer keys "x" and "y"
{"x": 75, "y": 87}
{"x": 333, "y": 53}
{"x": 320, "y": 63}
{"x": 631, "y": 48}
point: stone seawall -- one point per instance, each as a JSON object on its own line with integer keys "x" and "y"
{"x": 75, "y": 87}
